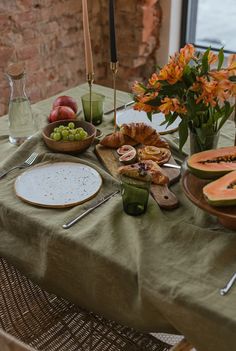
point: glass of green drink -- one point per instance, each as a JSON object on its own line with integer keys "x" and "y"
{"x": 96, "y": 105}
{"x": 135, "y": 194}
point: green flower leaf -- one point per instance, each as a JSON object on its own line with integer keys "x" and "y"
{"x": 169, "y": 119}
{"x": 220, "y": 58}
{"x": 158, "y": 67}
{"x": 149, "y": 115}
{"x": 183, "y": 133}
{"x": 227, "y": 112}
{"x": 205, "y": 64}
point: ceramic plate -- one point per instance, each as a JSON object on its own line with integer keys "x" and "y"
{"x": 59, "y": 184}
{"x": 129, "y": 116}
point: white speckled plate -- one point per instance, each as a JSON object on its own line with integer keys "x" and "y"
{"x": 130, "y": 115}
{"x": 59, "y": 184}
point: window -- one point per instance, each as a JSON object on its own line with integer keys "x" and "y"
{"x": 209, "y": 23}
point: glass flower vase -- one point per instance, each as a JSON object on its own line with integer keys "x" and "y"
{"x": 203, "y": 141}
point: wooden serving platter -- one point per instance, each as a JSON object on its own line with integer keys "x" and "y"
{"x": 161, "y": 193}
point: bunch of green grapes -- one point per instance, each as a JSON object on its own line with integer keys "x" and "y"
{"x": 68, "y": 133}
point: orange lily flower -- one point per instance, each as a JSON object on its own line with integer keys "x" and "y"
{"x": 186, "y": 54}
{"x": 232, "y": 64}
{"x": 212, "y": 89}
{"x": 172, "y": 105}
{"x": 231, "y": 59}
{"x": 212, "y": 58}
{"x": 172, "y": 73}
{"x": 219, "y": 75}
{"x": 144, "y": 107}
{"x": 207, "y": 90}
{"x": 148, "y": 97}
{"x": 153, "y": 81}
{"x": 137, "y": 88}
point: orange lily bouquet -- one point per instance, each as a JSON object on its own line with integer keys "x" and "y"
{"x": 188, "y": 87}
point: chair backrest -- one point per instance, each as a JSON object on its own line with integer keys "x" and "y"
{"x": 52, "y": 323}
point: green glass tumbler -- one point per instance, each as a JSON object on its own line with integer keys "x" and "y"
{"x": 97, "y": 108}
{"x": 135, "y": 194}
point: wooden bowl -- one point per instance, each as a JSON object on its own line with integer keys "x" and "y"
{"x": 69, "y": 146}
{"x": 193, "y": 186}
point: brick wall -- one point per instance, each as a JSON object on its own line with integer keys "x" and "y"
{"x": 48, "y": 36}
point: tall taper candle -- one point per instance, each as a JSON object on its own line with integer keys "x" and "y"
{"x": 87, "y": 41}
{"x": 112, "y": 32}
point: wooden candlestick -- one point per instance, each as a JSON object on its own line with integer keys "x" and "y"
{"x": 87, "y": 40}
{"x": 114, "y": 68}
{"x": 90, "y": 80}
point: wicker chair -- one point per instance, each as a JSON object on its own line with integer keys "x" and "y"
{"x": 32, "y": 319}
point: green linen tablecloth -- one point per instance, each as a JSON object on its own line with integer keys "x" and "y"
{"x": 158, "y": 272}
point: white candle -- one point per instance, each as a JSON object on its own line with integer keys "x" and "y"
{"x": 87, "y": 41}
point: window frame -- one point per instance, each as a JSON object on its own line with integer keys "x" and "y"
{"x": 188, "y": 26}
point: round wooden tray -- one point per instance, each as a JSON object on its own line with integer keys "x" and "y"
{"x": 193, "y": 189}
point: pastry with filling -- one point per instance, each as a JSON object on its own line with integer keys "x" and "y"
{"x": 160, "y": 155}
{"x": 141, "y": 169}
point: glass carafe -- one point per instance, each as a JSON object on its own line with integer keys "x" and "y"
{"x": 21, "y": 121}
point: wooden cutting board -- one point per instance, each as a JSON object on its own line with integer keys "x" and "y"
{"x": 161, "y": 193}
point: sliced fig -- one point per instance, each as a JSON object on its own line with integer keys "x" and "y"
{"x": 124, "y": 149}
{"x": 129, "y": 157}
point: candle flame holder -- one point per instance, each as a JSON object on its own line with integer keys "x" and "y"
{"x": 114, "y": 68}
{"x": 90, "y": 80}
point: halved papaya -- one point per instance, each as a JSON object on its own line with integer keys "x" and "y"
{"x": 222, "y": 192}
{"x": 213, "y": 163}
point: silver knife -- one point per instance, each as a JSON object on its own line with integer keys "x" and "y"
{"x": 119, "y": 108}
{"x": 82, "y": 215}
{"x": 228, "y": 286}
{"x": 170, "y": 165}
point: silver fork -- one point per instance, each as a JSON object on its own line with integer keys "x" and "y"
{"x": 28, "y": 162}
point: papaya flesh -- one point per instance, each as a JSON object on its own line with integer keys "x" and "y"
{"x": 221, "y": 192}
{"x": 213, "y": 163}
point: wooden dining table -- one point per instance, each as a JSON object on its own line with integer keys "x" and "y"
{"x": 158, "y": 272}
